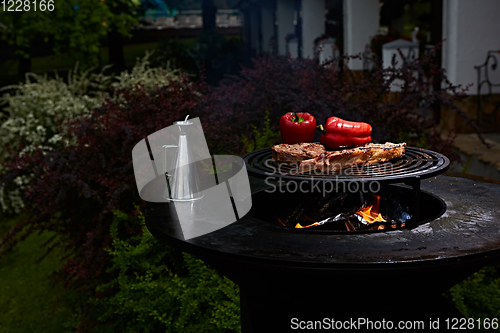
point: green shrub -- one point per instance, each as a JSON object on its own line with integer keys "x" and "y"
{"x": 261, "y": 139}
{"x": 478, "y": 296}
{"x": 158, "y": 289}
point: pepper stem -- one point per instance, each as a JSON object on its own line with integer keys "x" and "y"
{"x": 321, "y": 128}
{"x": 296, "y": 119}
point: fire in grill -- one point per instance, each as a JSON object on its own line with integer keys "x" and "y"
{"x": 345, "y": 212}
{"x": 338, "y": 212}
{"x": 362, "y": 199}
{"x": 367, "y": 217}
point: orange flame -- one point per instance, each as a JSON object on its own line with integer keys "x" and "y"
{"x": 371, "y": 213}
{"x": 299, "y": 226}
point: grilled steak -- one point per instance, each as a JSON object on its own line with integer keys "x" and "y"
{"x": 367, "y": 154}
{"x": 297, "y": 152}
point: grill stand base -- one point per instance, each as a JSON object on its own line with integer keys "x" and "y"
{"x": 271, "y": 298}
{"x": 269, "y": 313}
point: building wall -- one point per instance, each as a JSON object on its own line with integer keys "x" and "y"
{"x": 285, "y": 13}
{"x": 471, "y": 28}
{"x": 268, "y": 28}
{"x": 313, "y": 25}
{"x": 361, "y": 22}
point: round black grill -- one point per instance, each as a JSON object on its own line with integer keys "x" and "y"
{"x": 416, "y": 162}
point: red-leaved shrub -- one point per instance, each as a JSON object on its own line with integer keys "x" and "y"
{"x": 281, "y": 84}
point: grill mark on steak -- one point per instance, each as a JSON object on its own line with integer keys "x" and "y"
{"x": 367, "y": 154}
{"x": 294, "y": 153}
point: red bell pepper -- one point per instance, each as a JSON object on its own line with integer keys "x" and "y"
{"x": 297, "y": 127}
{"x": 339, "y": 133}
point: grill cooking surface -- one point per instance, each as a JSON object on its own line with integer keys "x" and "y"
{"x": 467, "y": 232}
{"x": 416, "y": 162}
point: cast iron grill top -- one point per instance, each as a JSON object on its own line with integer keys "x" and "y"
{"x": 416, "y": 162}
{"x": 468, "y": 232}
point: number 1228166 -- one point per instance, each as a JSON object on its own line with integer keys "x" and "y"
{"x": 27, "y": 5}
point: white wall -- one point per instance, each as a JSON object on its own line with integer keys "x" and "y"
{"x": 313, "y": 24}
{"x": 284, "y": 12}
{"x": 471, "y": 28}
{"x": 255, "y": 30}
{"x": 361, "y": 22}
{"x": 267, "y": 12}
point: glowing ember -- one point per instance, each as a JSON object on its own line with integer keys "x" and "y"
{"x": 371, "y": 213}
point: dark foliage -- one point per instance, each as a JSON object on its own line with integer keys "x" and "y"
{"x": 380, "y": 39}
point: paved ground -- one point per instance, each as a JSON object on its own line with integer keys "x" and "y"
{"x": 477, "y": 158}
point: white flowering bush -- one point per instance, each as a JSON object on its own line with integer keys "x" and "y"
{"x": 148, "y": 77}
{"x": 34, "y": 111}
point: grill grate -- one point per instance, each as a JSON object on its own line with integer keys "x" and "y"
{"x": 416, "y": 163}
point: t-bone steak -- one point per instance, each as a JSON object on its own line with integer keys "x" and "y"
{"x": 366, "y": 154}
